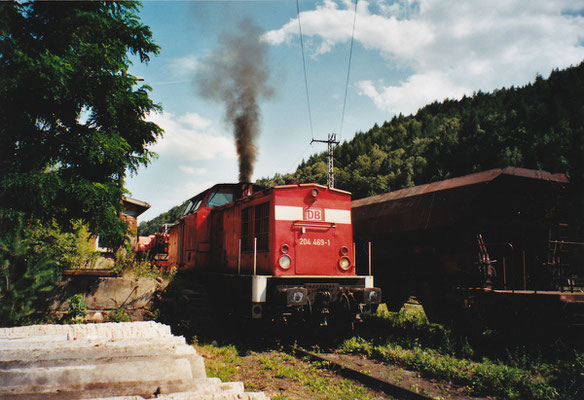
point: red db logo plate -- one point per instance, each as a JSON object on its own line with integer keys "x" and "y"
{"x": 314, "y": 214}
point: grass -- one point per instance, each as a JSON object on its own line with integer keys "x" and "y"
{"x": 275, "y": 371}
{"x": 484, "y": 365}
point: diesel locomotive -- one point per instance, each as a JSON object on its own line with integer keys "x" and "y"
{"x": 284, "y": 253}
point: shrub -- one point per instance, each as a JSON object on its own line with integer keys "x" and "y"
{"x": 27, "y": 273}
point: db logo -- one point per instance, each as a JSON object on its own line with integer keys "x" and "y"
{"x": 313, "y": 214}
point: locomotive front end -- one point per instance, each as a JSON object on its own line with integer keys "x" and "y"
{"x": 313, "y": 259}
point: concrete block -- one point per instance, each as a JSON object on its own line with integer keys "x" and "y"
{"x": 122, "y": 361}
{"x": 110, "y": 330}
{"x": 106, "y": 293}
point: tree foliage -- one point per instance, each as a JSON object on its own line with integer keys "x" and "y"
{"x": 72, "y": 120}
{"x": 157, "y": 224}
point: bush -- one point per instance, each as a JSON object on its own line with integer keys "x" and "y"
{"x": 27, "y": 272}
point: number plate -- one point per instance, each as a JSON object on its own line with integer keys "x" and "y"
{"x": 314, "y": 242}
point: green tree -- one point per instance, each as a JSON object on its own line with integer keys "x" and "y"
{"x": 157, "y": 224}
{"x": 72, "y": 120}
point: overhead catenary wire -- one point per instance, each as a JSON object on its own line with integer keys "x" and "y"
{"x": 295, "y": 163}
{"x": 348, "y": 70}
{"x": 304, "y": 67}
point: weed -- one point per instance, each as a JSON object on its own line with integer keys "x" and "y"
{"x": 77, "y": 310}
{"x": 129, "y": 265}
{"x": 118, "y": 315}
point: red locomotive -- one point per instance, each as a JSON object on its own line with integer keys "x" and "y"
{"x": 154, "y": 247}
{"x": 280, "y": 253}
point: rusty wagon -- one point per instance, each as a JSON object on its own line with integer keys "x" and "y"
{"x": 495, "y": 244}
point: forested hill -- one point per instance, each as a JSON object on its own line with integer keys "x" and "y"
{"x": 157, "y": 224}
{"x": 539, "y": 126}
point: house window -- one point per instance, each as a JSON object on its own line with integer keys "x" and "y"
{"x": 102, "y": 245}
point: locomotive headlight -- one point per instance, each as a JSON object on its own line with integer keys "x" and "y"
{"x": 297, "y": 296}
{"x": 285, "y": 262}
{"x": 344, "y": 251}
{"x": 372, "y": 296}
{"x": 344, "y": 263}
{"x": 314, "y": 193}
{"x": 284, "y": 249}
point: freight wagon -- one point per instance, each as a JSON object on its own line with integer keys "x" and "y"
{"x": 494, "y": 244}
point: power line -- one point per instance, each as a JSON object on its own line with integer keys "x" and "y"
{"x": 295, "y": 163}
{"x": 348, "y": 70}
{"x": 304, "y": 65}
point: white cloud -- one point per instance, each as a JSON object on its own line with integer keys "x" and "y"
{"x": 184, "y": 66}
{"x": 417, "y": 90}
{"x": 191, "y": 170}
{"x": 451, "y": 49}
{"x": 195, "y": 121}
{"x": 190, "y": 137}
{"x": 192, "y": 189}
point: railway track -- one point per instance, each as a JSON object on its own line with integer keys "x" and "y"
{"x": 373, "y": 382}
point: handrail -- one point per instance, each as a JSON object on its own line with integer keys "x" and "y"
{"x": 321, "y": 225}
{"x": 565, "y": 242}
{"x": 239, "y": 259}
{"x": 255, "y": 258}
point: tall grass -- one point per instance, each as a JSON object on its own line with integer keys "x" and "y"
{"x": 484, "y": 364}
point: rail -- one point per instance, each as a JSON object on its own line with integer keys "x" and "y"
{"x": 366, "y": 379}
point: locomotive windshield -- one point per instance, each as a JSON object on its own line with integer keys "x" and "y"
{"x": 219, "y": 198}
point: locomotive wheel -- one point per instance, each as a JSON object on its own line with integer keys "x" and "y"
{"x": 345, "y": 313}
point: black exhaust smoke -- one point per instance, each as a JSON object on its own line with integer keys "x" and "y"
{"x": 236, "y": 74}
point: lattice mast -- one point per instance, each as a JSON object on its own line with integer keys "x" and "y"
{"x": 331, "y": 142}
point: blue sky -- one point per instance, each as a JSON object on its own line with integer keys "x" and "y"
{"x": 406, "y": 54}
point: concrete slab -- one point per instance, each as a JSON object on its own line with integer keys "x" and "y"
{"x": 134, "y": 360}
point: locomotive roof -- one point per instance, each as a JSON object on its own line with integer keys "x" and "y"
{"x": 312, "y": 185}
{"x": 466, "y": 180}
{"x": 255, "y": 188}
{"x": 265, "y": 191}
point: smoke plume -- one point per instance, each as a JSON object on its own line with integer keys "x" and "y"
{"x": 236, "y": 74}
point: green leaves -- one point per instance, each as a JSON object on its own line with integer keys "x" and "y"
{"x": 71, "y": 117}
